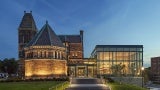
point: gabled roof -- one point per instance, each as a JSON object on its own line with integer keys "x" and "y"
{"x": 28, "y": 21}
{"x": 46, "y": 36}
{"x": 71, "y": 38}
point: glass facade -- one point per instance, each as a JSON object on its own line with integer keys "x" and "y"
{"x": 118, "y": 59}
{"x": 85, "y": 69}
{"x": 82, "y": 70}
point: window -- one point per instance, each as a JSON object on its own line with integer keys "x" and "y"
{"x": 73, "y": 54}
{"x": 132, "y": 49}
{"x": 106, "y": 55}
{"x": 119, "y": 49}
{"x": 112, "y": 49}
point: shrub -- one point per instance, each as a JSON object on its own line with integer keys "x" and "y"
{"x": 109, "y": 80}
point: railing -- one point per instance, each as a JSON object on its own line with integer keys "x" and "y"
{"x": 61, "y": 86}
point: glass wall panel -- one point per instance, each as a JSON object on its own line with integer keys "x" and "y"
{"x": 98, "y": 56}
{"x": 120, "y": 49}
{"x": 113, "y": 49}
{"x": 133, "y": 49}
{"x": 132, "y": 55}
{"x": 98, "y": 68}
{"x": 126, "y": 55}
{"x": 99, "y": 49}
{"x": 106, "y": 68}
{"x": 101, "y": 54}
{"x": 72, "y": 70}
{"x": 119, "y": 55}
{"x": 90, "y": 71}
{"x": 126, "y": 49}
{"x": 106, "y": 49}
{"x": 131, "y": 58}
{"x": 140, "y": 56}
{"x": 114, "y": 56}
{"x": 106, "y": 55}
{"x": 139, "y": 49}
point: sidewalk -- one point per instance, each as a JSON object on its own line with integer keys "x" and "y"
{"x": 87, "y": 84}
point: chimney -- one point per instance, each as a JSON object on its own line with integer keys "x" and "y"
{"x": 81, "y": 32}
{"x": 81, "y": 35}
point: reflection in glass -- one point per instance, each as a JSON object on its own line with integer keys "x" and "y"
{"x": 130, "y": 58}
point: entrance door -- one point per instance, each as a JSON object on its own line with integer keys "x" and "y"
{"x": 81, "y": 72}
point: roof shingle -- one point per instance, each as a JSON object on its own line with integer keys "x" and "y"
{"x": 71, "y": 38}
{"x": 46, "y": 36}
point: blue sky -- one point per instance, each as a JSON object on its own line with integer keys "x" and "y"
{"x": 108, "y": 22}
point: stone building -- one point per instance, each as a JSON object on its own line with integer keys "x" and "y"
{"x": 43, "y": 54}
{"x": 26, "y": 31}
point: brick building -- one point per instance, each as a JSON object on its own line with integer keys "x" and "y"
{"x": 155, "y": 69}
{"x": 44, "y": 54}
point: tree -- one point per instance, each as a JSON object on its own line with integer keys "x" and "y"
{"x": 1, "y": 65}
{"x": 9, "y": 65}
{"x": 117, "y": 69}
{"x": 147, "y": 74}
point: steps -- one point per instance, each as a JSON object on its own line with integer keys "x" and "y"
{"x": 87, "y": 84}
{"x": 86, "y": 88}
{"x": 86, "y": 81}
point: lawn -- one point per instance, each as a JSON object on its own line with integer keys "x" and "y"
{"x": 117, "y": 86}
{"x": 35, "y": 85}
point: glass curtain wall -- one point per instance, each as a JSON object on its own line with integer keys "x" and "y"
{"x": 119, "y": 61}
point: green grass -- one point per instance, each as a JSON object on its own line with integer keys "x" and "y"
{"x": 37, "y": 85}
{"x": 117, "y": 86}
{"x": 60, "y": 87}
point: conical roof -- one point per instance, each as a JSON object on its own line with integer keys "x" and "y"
{"x": 46, "y": 36}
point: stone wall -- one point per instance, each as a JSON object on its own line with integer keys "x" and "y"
{"x": 129, "y": 80}
{"x": 45, "y": 68}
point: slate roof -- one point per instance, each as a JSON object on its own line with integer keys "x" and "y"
{"x": 46, "y": 36}
{"x": 71, "y": 38}
{"x": 28, "y": 21}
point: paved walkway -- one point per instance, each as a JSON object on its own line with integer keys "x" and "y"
{"x": 87, "y": 84}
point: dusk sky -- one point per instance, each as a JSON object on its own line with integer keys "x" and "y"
{"x": 106, "y": 22}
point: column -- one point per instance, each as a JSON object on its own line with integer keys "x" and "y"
{"x": 53, "y": 54}
{"x": 60, "y": 54}
{"x": 87, "y": 70}
{"x": 57, "y": 55}
{"x": 46, "y": 54}
{"x": 75, "y": 71}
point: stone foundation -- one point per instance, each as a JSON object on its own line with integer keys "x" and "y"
{"x": 45, "y": 68}
{"x": 129, "y": 80}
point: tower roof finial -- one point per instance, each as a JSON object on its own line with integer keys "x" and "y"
{"x": 46, "y": 21}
